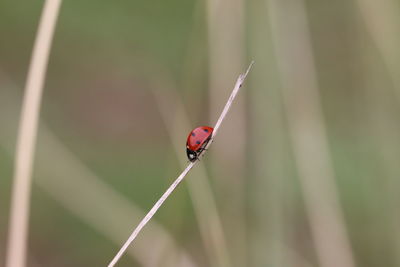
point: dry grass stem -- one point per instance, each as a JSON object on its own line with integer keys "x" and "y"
{"x": 158, "y": 204}
{"x": 19, "y": 217}
{"x": 238, "y": 84}
{"x": 204, "y": 204}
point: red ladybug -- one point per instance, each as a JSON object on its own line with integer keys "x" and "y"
{"x": 197, "y": 141}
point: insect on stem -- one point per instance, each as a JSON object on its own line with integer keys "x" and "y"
{"x": 178, "y": 180}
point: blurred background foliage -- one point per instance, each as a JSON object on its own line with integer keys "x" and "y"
{"x": 124, "y": 76}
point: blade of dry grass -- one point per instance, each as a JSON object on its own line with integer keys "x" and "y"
{"x": 150, "y": 214}
{"x": 177, "y": 124}
{"x": 18, "y": 227}
{"x": 95, "y": 199}
{"x": 159, "y": 203}
{"x": 200, "y": 191}
{"x": 291, "y": 39}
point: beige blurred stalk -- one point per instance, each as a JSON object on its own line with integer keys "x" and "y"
{"x": 384, "y": 130}
{"x": 381, "y": 19}
{"x": 270, "y": 184}
{"x": 381, "y": 22}
{"x": 292, "y": 42}
{"x": 19, "y": 217}
{"x": 225, "y": 32}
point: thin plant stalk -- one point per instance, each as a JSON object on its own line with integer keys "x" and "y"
{"x": 19, "y": 217}
{"x": 177, "y": 123}
{"x": 159, "y": 203}
{"x": 303, "y": 108}
{"x": 203, "y": 199}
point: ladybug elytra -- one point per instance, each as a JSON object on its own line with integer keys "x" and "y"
{"x": 197, "y": 141}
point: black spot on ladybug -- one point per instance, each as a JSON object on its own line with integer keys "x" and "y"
{"x": 198, "y": 142}
{"x": 193, "y": 134}
{"x": 206, "y": 130}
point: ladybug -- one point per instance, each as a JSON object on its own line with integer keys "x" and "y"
{"x": 197, "y": 141}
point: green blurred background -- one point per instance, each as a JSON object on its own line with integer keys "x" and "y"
{"x": 304, "y": 171}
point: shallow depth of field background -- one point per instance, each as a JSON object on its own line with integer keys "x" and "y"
{"x": 128, "y": 80}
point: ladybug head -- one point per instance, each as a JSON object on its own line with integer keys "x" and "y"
{"x": 192, "y": 155}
